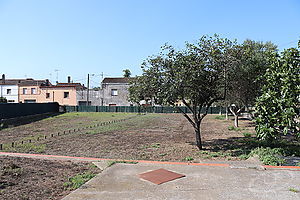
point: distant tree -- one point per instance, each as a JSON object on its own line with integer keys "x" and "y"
{"x": 3, "y": 100}
{"x": 195, "y": 75}
{"x": 127, "y": 73}
{"x": 96, "y": 88}
{"x": 245, "y": 83}
{"x": 277, "y": 109}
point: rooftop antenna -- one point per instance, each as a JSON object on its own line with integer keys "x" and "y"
{"x": 56, "y": 70}
{"x": 50, "y": 76}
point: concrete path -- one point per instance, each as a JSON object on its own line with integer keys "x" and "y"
{"x": 223, "y": 180}
{"x": 121, "y": 181}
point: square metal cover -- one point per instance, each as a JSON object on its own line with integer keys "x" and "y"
{"x": 160, "y": 176}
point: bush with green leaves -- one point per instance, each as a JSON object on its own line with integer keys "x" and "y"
{"x": 269, "y": 156}
{"x": 276, "y": 108}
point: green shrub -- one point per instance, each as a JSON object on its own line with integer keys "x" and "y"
{"x": 268, "y": 155}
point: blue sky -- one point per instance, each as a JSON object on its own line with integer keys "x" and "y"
{"x": 94, "y": 36}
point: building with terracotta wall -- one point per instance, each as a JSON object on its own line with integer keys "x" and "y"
{"x": 62, "y": 93}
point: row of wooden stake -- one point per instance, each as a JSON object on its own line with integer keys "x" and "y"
{"x": 13, "y": 144}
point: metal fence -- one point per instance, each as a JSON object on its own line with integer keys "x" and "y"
{"x": 12, "y": 110}
{"x": 138, "y": 109}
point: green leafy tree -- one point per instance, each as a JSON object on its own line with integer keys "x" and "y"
{"x": 194, "y": 75}
{"x": 127, "y": 73}
{"x": 244, "y": 83}
{"x": 277, "y": 108}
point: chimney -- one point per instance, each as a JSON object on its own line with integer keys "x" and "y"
{"x": 3, "y": 78}
{"x": 69, "y": 79}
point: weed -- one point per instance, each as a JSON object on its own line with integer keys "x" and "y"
{"x": 156, "y": 145}
{"x": 11, "y": 169}
{"x": 189, "y": 158}
{"x": 162, "y": 154}
{"x": 220, "y": 117}
{"x": 294, "y": 190}
{"x": 92, "y": 165}
{"x": 78, "y": 180}
{"x": 244, "y": 157}
{"x": 246, "y": 134}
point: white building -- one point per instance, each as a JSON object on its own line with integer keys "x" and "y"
{"x": 10, "y": 92}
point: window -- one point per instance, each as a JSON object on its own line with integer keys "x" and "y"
{"x": 8, "y": 91}
{"x": 33, "y": 90}
{"x": 24, "y": 90}
{"x": 114, "y": 92}
{"x": 47, "y": 95}
{"x": 66, "y": 94}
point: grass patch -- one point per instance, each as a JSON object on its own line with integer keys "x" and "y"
{"x": 111, "y": 163}
{"x": 78, "y": 180}
{"x": 294, "y": 190}
{"x": 232, "y": 128}
{"x": 220, "y": 117}
{"x": 247, "y": 134}
{"x": 25, "y": 148}
{"x": 208, "y": 154}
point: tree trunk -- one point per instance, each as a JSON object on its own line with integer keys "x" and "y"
{"x": 227, "y": 118}
{"x": 220, "y": 112}
{"x": 198, "y": 137}
{"x": 236, "y": 120}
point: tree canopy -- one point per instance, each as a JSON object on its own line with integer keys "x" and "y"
{"x": 127, "y": 73}
{"x": 195, "y": 75}
{"x": 244, "y": 80}
{"x": 277, "y": 109}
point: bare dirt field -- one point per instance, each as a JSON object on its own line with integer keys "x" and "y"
{"x": 151, "y": 137}
{"x": 24, "y": 178}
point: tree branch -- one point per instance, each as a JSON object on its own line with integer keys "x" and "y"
{"x": 187, "y": 105}
{"x": 186, "y": 116}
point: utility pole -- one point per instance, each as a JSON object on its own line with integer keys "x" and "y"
{"x": 88, "y": 87}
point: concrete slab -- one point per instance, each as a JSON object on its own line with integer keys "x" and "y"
{"x": 103, "y": 164}
{"x": 121, "y": 181}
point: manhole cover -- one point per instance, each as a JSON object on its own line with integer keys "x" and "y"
{"x": 160, "y": 176}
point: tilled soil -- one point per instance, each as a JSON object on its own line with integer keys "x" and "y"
{"x": 165, "y": 137}
{"x": 32, "y": 179}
